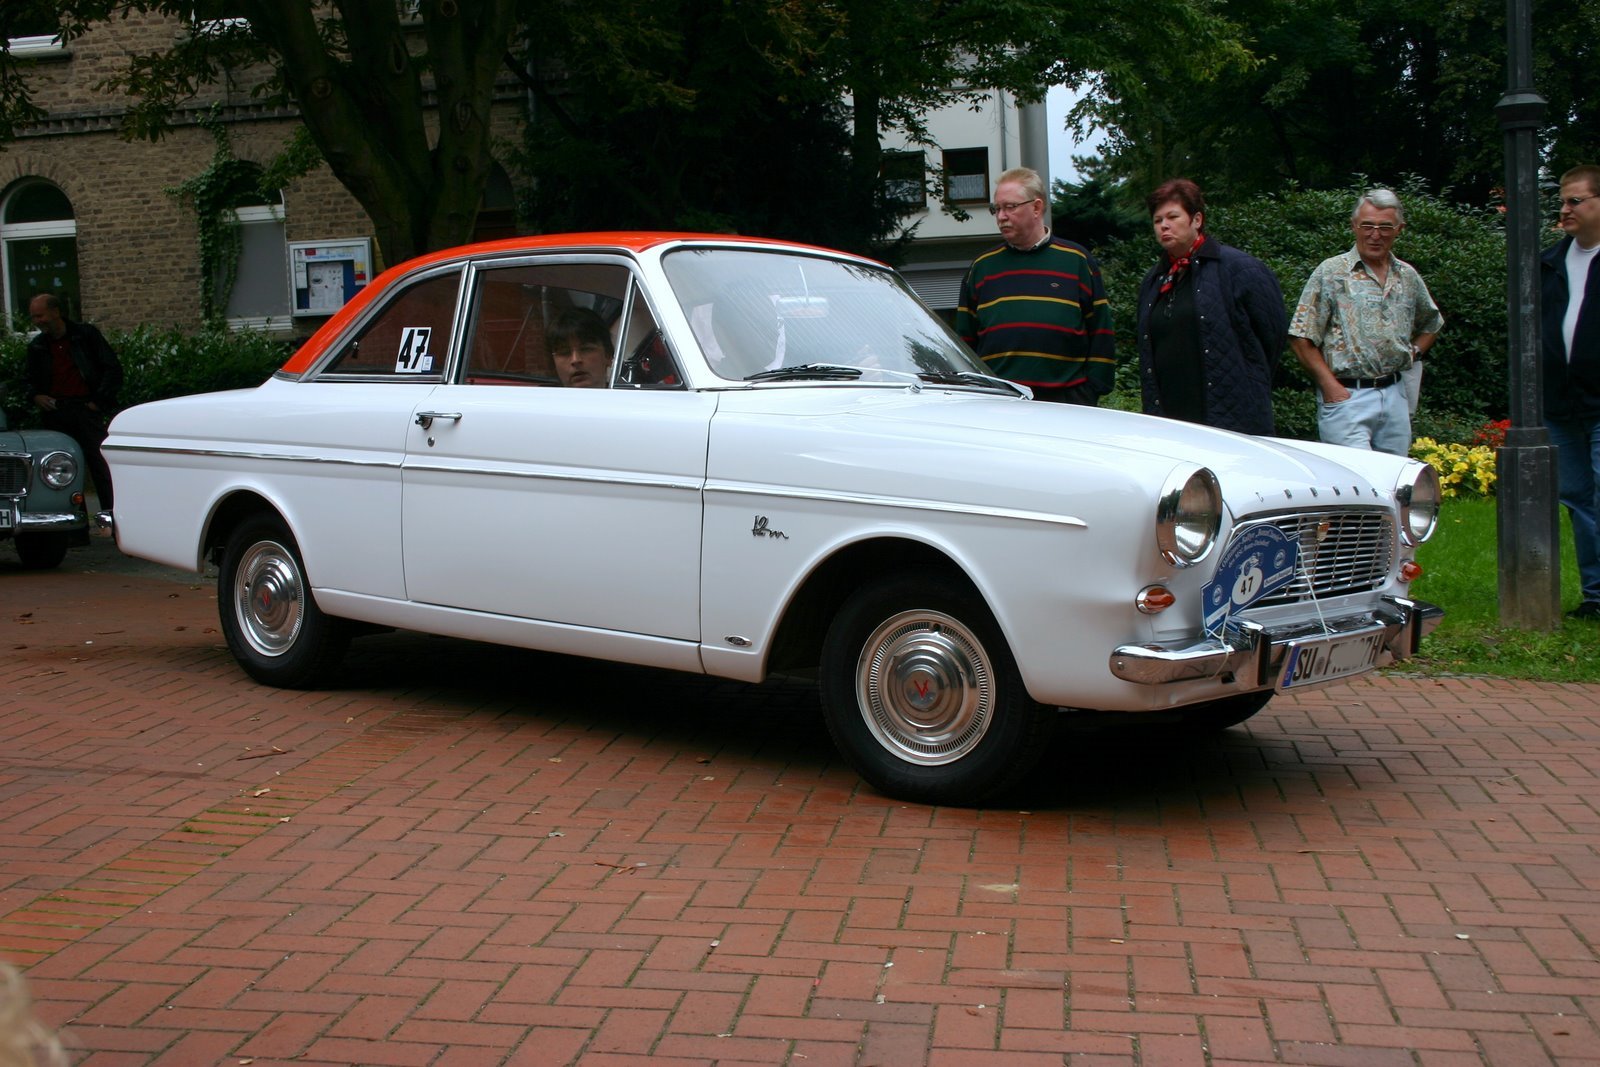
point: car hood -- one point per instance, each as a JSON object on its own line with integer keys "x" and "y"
{"x": 36, "y": 441}
{"x": 1256, "y": 473}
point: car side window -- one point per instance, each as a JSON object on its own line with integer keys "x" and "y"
{"x": 571, "y": 325}
{"x": 645, "y": 361}
{"x": 409, "y": 337}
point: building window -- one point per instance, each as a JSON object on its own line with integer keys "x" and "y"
{"x": 218, "y": 18}
{"x": 967, "y": 170}
{"x": 903, "y": 178}
{"x": 39, "y": 247}
{"x": 260, "y": 296}
{"x": 33, "y": 32}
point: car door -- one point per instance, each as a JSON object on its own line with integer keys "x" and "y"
{"x": 345, "y": 429}
{"x": 530, "y": 498}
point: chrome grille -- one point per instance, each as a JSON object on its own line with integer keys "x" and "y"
{"x": 13, "y": 474}
{"x": 1354, "y": 554}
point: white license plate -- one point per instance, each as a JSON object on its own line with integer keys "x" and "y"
{"x": 1328, "y": 659}
{"x": 5, "y": 519}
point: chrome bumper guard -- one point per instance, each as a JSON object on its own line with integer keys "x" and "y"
{"x": 1252, "y": 656}
{"x": 47, "y": 522}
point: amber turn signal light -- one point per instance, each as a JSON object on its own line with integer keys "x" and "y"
{"x": 1154, "y": 598}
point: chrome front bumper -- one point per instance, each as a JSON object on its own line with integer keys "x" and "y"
{"x": 1252, "y": 656}
{"x": 47, "y": 522}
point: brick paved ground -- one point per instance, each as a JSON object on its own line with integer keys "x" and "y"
{"x": 468, "y": 855}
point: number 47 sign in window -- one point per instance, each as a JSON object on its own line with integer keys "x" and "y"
{"x": 414, "y": 357}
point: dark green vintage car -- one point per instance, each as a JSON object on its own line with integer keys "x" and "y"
{"x": 41, "y": 494}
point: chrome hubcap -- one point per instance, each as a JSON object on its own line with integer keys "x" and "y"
{"x": 925, "y": 687}
{"x": 268, "y": 598}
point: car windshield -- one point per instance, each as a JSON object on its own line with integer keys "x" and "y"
{"x": 774, "y": 316}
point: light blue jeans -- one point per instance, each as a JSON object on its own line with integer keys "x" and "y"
{"x": 1577, "y": 444}
{"x": 1374, "y": 419}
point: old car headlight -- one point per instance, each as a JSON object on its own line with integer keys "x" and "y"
{"x": 1188, "y": 515}
{"x": 58, "y": 469}
{"x": 1418, "y": 496}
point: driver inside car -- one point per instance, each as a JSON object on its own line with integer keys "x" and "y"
{"x": 580, "y": 347}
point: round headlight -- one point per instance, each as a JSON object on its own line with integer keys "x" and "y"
{"x": 1188, "y": 515}
{"x": 58, "y": 470}
{"x": 1418, "y": 497}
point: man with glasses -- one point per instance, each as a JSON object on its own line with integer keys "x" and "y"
{"x": 1034, "y": 309}
{"x": 1570, "y": 324}
{"x": 1364, "y": 318}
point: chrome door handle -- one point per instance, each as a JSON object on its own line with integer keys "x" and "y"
{"x": 425, "y": 418}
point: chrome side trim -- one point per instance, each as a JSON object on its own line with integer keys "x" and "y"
{"x": 909, "y": 503}
{"x": 685, "y": 485}
{"x": 268, "y": 457}
{"x": 689, "y": 485}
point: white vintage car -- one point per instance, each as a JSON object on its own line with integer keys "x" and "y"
{"x": 788, "y": 464}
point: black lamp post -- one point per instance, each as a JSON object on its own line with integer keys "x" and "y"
{"x": 1530, "y": 545}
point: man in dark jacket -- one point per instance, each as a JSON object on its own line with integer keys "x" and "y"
{"x": 1212, "y": 325}
{"x": 1570, "y": 323}
{"x": 74, "y": 376}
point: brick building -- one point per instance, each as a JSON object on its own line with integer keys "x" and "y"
{"x": 85, "y": 213}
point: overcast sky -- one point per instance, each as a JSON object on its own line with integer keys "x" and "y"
{"x": 1057, "y": 102}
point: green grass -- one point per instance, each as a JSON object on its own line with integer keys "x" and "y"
{"x": 1461, "y": 574}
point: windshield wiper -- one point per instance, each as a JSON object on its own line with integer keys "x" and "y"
{"x": 816, "y": 371}
{"x": 967, "y": 377}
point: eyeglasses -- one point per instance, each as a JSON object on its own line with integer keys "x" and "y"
{"x": 995, "y": 209}
{"x": 1388, "y": 229}
{"x": 1570, "y": 201}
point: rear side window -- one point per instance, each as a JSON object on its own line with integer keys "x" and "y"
{"x": 408, "y": 338}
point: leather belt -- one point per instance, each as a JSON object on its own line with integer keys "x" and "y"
{"x": 1369, "y": 383}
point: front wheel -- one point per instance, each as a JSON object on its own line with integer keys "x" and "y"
{"x": 273, "y": 625}
{"x": 921, "y": 695}
{"x": 41, "y": 551}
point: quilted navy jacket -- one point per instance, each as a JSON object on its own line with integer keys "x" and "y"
{"x": 1243, "y": 330}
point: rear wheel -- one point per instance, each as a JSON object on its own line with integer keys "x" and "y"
{"x": 273, "y": 625}
{"x": 41, "y": 551}
{"x": 922, "y": 696}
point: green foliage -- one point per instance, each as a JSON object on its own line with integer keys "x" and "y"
{"x": 213, "y": 193}
{"x": 637, "y": 102}
{"x": 1459, "y": 251}
{"x": 1357, "y": 86}
{"x": 158, "y": 363}
{"x": 1094, "y": 212}
{"x": 637, "y": 137}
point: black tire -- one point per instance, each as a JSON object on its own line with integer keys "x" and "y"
{"x": 1215, "y": 716}
{"x": 921, "y": 694}
{"x": 41, "y": 551}
{"x": 273, "y": 625}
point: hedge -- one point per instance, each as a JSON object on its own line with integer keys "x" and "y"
{"x": 158, "y": 363}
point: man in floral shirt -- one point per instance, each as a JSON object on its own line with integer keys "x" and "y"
{"x": 1363, "y": 318}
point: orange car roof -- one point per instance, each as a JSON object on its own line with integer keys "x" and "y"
{"x": 620, "y": 240}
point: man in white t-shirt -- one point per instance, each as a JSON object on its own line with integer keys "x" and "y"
{"x": 1570, "y": 321}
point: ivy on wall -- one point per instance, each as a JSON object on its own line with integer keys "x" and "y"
{"x": 228, "y": 183}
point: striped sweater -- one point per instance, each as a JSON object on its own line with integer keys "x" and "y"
{"x": 1040, "y": 317}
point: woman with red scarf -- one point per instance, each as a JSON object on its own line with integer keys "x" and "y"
{"x": 1212, "y": 324}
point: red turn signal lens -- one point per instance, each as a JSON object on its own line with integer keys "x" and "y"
{"x": 1410, "y": 571}
{"x": 77, "y": 500}
{"x": 1154, "y": 598}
